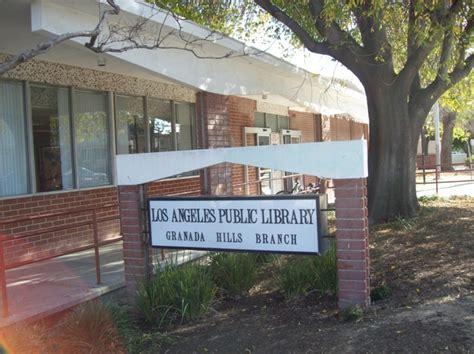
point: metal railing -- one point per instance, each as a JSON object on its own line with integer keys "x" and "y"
{"x": 93, "y": 222}
{"x": 436, "y": 170}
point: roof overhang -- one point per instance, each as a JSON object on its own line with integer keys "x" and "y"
{"x": 254, "y": 75}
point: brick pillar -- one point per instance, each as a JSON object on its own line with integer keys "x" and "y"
{"x": 135, "y": 253}
{"x": 352, "y": 236}
{"x": 214, "y": 131}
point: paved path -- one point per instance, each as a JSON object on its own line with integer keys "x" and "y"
{"x": 47, "y": 287}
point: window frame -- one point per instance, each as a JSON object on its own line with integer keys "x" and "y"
{"x": 278, "y": 121}
{"x": 111, "y": 116}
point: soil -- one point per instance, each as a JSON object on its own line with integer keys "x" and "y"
{"x": 426, "y": 262}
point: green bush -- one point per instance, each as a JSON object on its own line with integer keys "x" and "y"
{"x": 325, "y": 267}
{"x": 177, "y": 294}
{"x": 469, "y": 160}
{"x": 295, "y": 276}
{"x": 352, "y": 313}
{"x": 380, "y": 292}
{"x": 234, "y": 273}
{"x": 301, "y": 275}
{"x": 265, "y": 257}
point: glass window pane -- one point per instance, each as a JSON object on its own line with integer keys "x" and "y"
{"x": 259, "y": 120}
{"x": 13, "y": 150}
{"x": 91, "y": 133}
{"x": 272, "y": 122}
{"x": 184, "y": 126}
{"x": 159, "y": 116}
{"x": 130, "y": 125}
{"x": 52, "y": 138}
{"x": 283, "y": 122}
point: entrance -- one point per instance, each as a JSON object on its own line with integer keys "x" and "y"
{"x": 271, "y": 181}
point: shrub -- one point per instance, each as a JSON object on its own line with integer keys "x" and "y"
{"x": 265, "y": 257}
{"x": 177, "y": 294}
{"x": 352, "y": 313}
{"x": 380, "y": 292}
{"x": 234, "y": 273}
{"x": 89, "y": 328}
{"x": 295, "y": 276}
{"x": 312, "y": 273}
{"x": 325, "y": 267}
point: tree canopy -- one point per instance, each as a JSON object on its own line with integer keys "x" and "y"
{"x": 406, "y": 54}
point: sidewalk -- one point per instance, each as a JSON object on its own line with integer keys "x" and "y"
{"x": 445, "y": 188}
{"x": 44, "y": 288}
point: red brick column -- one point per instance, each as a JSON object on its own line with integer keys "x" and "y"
{"x": 135, "y": 253}
{"x": 352, "y": 236}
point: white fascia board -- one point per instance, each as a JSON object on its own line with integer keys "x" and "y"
{"x": 338, "y": 159}
{"x": 233, "y": 76}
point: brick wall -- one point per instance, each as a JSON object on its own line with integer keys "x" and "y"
{"x": 215, "y": 133}
{"x": 178, "y": 186}
{"x": 341, "y": 128}
{"x": 54, "y": 243}
{"x": 241, "y": 114}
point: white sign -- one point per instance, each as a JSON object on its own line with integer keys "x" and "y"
{"x": 288, "y": 224}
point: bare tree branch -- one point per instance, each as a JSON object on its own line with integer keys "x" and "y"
{"x": 45, "y": 47}
{"x": 120, "y": 37}
{"x": 41, "y": 48}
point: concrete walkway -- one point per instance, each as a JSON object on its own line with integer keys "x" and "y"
{"x": 44, "y": 288}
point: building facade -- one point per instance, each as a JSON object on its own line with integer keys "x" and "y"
{"x": 64, "y": 119}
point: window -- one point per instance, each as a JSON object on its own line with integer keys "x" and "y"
{"x": 273, "y": 121}
{"x": 171, "y": 125}
{"x": 130, "y": 125}
{"x": 91, "y": 134}
{"x": 51, "y": 138}
{"x": 185, "y": 138}
{"x": 69, "y": 137}
{"x": 283, "y": 122}
{"x": 13, "y": 147}
{"x": 160, "y": 124}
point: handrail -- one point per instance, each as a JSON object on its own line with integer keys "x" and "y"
{"x": 95, "y": 245}
{"x": 57, "y": 213}
{"x": 437, "y": 171}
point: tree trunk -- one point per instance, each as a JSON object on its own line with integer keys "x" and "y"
{"x": 392, "y": 155}
{"x": 448, "y": 118}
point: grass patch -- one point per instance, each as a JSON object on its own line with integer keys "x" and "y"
{"x": 134, "y": 338}
{"x": 177, "y": 294}
{"x": 234, "y": 273}
{"x": 403, "y": 224}
{"x": 301, "y": 275}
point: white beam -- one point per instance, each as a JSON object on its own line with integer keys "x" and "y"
{"x": 338, "y": 159}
